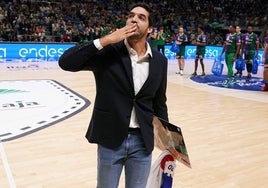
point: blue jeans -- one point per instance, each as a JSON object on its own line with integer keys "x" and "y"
{"x": 132, "y": 155}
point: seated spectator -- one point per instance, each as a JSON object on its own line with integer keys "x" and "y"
{"x": 34, "y": 20}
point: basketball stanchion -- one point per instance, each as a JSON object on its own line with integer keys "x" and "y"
{"x": 6, "y": 166}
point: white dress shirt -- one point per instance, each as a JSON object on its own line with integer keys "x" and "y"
{"x": 140, "y": 72}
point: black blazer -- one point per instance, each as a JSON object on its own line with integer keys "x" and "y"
{"x": 115, "y": 95}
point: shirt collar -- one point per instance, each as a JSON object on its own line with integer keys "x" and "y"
{"x": 131, "y": 51}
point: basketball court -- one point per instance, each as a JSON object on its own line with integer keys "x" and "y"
{"x": 45, "y": 112}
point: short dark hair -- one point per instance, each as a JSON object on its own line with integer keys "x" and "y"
{"x": 201, "y": 27}
{"x": 147, "y": 8}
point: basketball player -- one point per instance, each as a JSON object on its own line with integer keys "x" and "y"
{"x": 250, "y": 46}
{"x": 200, "y": 43}
{"x": 181, "y": 40}
{"x": 265, "y": 61}
{"x": 231, "y": 48}
{"x": 240, "y": 35}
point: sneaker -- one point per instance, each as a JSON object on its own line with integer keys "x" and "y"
{"x": 264, "y": 88}
{"x": 232, "y": 81}
{"x": 225, "y": 83}
{"x": 178, "y": 72}
{"x": 181, "y": 72}
{"x": 203, "y": 74}
{"x": 248, "y": 77}
{"x": 194, "y": 74}
{"x": 238, "y": 73}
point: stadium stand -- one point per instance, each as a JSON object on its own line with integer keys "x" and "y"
{"x": 83, "y": 20}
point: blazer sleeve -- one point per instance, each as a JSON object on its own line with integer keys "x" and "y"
{"x": 79, "y": 57}
{"x": 159, "y": 103}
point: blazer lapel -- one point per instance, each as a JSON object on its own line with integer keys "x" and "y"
{"x": 126, "y": 62}
{"x": 149, "y": 80}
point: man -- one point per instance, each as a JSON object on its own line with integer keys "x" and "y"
{"x": 161, "y": 40}
{"x": 231, "y": 48}
{"x": 250, "y": 46}
{"x": 130, "y": 89}
{"x": 152, "y": 39}
{"x": 200, "y": 43}
{"x": 240, "y": 35}
{"x": 265, "y": 61}
{"x": 181, "y": 40}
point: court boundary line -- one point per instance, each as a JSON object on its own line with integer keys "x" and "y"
{"x": 7, "y": 169}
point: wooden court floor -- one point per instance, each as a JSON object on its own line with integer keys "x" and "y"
{"x": 225, "y": 130}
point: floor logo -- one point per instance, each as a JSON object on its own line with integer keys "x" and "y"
{"x": 5, "y": 91}
{"x": 254, "y": 84}
{"x": 27, "y": 106}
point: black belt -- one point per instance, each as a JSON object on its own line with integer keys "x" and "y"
{"x": 134, "y": 130}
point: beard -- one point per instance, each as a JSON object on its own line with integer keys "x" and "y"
{"x": 137, "y": 35}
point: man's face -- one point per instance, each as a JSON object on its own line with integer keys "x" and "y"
{"x": 140, "y": 17}
{"x": 250, "y": 29}
{"x": 237, "y": 29}
{"x": 231, "y": 29}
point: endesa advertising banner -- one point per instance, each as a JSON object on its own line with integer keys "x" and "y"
{"x": 52, "y": 51}
{"x": 32, "y": 51}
